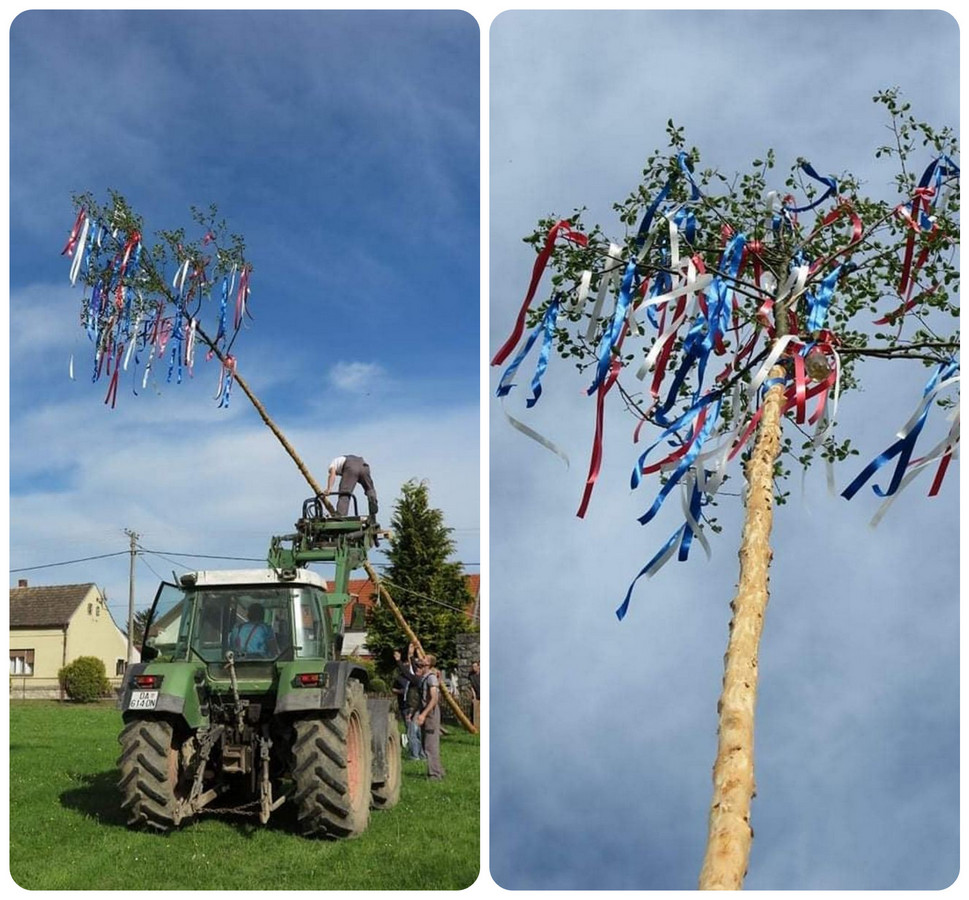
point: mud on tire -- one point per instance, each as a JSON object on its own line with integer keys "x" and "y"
{"x": 150, "y": 774}
{"x": 331, "y": 765}
{"x": 386, "y": 794}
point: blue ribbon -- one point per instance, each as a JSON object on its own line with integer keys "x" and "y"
{"x": 222, "y": 308}
{"x": 671, "y": 431}
{"x": 648, "y": 569}
{"x": 688, "y": 458}
{"x": 662, "y": 283}
{"x": 819, "y": 302}
{"x": 612, "y": 333}
{"x": 701, "y": 338}
{"x": 683, "y": 535}
{"x": 546, "y": 327}
{"x": 830, "y": 182}
{"x": 684, "y": 163}
{"x": 903, "y": 447}
{"x": 696, "y": 503}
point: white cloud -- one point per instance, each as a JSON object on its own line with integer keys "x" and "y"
{"x": 356, "y": 377}
{"x": 190, "y": 479}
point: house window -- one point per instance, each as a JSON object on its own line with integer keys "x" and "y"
{"x": 120, "y": 666}
{"x": 97, "y": 610}
{"x": 21, "y": 662}
{"x": 90, "y": 608}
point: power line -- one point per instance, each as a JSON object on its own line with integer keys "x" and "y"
{"x": 203, "y": 555}
{"x": 398, "y": 587}
{"x": 172, "y": 561}
{"x": 69, "y": 562}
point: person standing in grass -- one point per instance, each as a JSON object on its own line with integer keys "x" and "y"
{"x": 407, "y": 669}
{"x": 429, "y": 717}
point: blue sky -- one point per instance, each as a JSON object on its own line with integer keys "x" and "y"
{"x": 344, "y": 146}
{"x": 604, "y": 732}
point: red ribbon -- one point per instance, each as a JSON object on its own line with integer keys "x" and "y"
{"x": 940, "y": 473}
{"x": 569, "y": 233}
{"x": 790, "y": 400}
{"x": 112, "y": 395}
{"x": 595, "y": 461}
{"x": 75, "y": 233}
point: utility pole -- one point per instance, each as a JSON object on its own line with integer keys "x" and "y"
{"x": 131, "y": 594}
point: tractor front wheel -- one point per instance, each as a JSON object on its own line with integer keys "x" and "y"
{"x": 331, "y": 765}
{"x": 151, "y": 783}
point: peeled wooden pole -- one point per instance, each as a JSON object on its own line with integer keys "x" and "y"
{"x": 455, "y": 708}
{"x": 730, "y": 834}
{"x": 318, "y": 490}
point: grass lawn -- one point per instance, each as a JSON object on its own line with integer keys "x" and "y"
{"x": 67, "y": 831}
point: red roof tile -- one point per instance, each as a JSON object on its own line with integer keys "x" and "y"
{"x": 363, "y": 591}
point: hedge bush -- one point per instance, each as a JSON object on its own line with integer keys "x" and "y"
{"x": 85, "y": 680}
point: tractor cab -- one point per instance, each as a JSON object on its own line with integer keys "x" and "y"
{"x": 253, "y": 614}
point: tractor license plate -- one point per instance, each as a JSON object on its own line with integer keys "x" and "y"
{"x": 143, "y": 700}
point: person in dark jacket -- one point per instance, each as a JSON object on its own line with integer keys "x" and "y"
{"x": 407, "y": 673}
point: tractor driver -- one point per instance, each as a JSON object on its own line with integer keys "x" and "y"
{"x": 253, "y": 638}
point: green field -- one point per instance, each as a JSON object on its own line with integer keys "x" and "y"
{"x": 67, "y": 831}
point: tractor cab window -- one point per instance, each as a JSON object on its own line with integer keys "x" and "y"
{"x": 252, "y": 623}
{"x": 312, "y": 622}
{"x": 168, "y": 623}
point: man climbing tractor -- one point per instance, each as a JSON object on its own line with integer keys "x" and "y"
{"x": 352, "y": 470}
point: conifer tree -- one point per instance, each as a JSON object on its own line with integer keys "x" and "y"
{"x": 430, "y": 590}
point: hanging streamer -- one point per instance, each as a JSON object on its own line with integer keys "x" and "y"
{"x": 127, "y": 329}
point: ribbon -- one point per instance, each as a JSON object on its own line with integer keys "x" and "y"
{"x": 611, "y": 334}
{"x": 943, "y": 377}
{"x": 831, "y": 184}
{"x": 566, "y": 230}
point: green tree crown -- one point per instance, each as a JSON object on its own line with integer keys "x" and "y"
{"x": 430, "y": 591}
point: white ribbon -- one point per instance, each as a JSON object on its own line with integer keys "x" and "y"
{"x": 534, "y": 435}
{"x": 609, "y": 275}
{"x": 190, "y": 344}
{"x": 693, "y": 285}
{"x": 79, "y": 251}
{"x": 583, "y": 293}
{"x": 131, "y": 343}
{"x": 178, "y": 282}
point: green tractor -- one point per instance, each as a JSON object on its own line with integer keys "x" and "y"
{"x": 242, "y": 702}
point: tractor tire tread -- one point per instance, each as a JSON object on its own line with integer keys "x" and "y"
{"x": 321, "y": 771}
{"x": 148, "y": 791}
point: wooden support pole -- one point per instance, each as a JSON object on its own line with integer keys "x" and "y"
{"x": 318, "y": 491}
{"x": 385, "y": 596}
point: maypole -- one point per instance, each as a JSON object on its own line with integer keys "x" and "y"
{"x": 770, "y": 292}
{"x": 134, "y": 313}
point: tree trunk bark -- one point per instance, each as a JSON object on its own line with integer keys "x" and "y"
{"x": 730, "y": 834}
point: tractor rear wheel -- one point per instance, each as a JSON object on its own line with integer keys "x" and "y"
{"x": 331, "y": 765}
{"x": 385, "y": 794}
{"x": 151, "y": 774}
